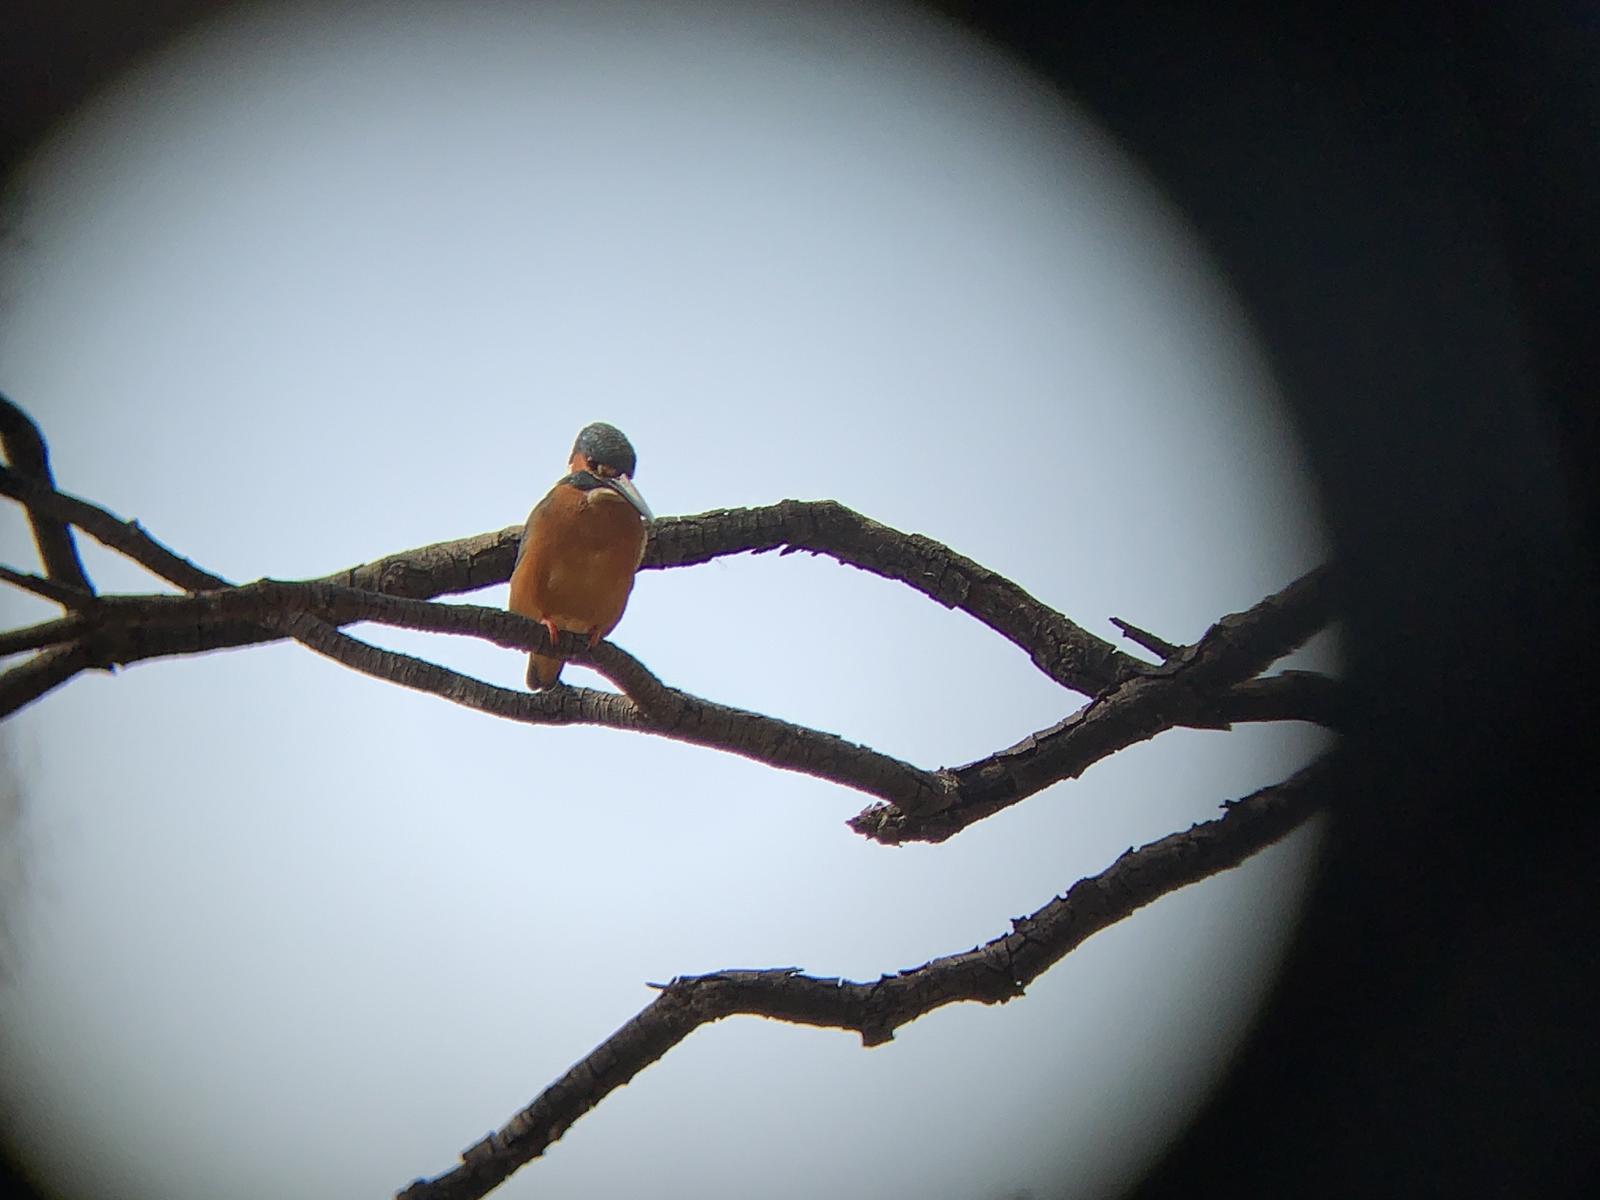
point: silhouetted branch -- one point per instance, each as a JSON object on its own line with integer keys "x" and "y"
{"x": 126, "y": 537}
{"x": 1063, "y": 650}
{"x": 993, "y": 973}
{"x": 124, "y": 629}
{"x": 1207, "y": 685}
{"x": 923, "y": 805}
{"x": 1183, "y": 691}
{"x": 68, "y": 595}
{"x": 23, "y": 684}
{"x": 467, "y": 564}
{"x": 28, "y": 457}
{"x": 917, "y": 804}
{"x": 665, "y": 711}
{"x": 1059, "y": 647}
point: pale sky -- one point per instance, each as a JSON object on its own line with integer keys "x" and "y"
{"x": 315, "y": 285}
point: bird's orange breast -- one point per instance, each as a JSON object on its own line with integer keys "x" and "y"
{"x": 580, "y": 550}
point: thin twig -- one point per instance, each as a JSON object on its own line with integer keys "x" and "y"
{"x": 675, "y": 715}
{"x": 1158, "y": 646}
{"x": 29, "y": 457}
{"x": 23, "y": 684}
{"x": 126, "y": 537}
{"x": 68, "y": 595}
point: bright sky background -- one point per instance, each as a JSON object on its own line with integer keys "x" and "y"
{"x": 317, "y": 285}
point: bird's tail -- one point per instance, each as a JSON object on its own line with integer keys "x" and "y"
{"x": 543, "y": 671}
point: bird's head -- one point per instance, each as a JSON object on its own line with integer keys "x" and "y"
{"x": 604, "y": 451}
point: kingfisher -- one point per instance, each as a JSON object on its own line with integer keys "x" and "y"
{"x": 581, "y": 547}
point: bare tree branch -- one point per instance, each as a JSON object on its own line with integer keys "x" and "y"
{"x": 923, "y": 805}
{"x": 1207, "y": 685}
{"x": 1287, "y": 696}
{"x": 993, "y": 973}
{"x": 36, "y": 637}
{"x": 1181, "y": 692}
{"x": 1160, "y": 647}
{"x": 444, "y": 568}
{"x": 1060, "y": 648}
{"x": 22, "y": 685}
{"x": 1192, "y": 688}
{"x": 67, "y": 595}
{"x": 673, "y": 714}
{"x": 26, "y": 452}
{"x": 126, "y": 537}
{"x": 129, "y": 628}
{"x": 1063, "y": 650}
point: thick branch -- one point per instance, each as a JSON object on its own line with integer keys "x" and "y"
{"x": 990, "y": 974}
{"x": 1060, "y": 648}
{"x": 131, "y": 628}
{"x": 128, "y": 629}
{"x": 1191, "y": 689}
{"x": 22, "y": 685}
{"x": 1063, "y": 650}
{"x": 444, "y": 568}
{"x": 1184, "y": 691}
{"x": 923, "y": 805}
{"x": 823, "y": 527}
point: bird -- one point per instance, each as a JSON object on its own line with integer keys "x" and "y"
{"x": 581, "y": 546}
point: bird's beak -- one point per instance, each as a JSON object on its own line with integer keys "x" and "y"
{"x": 623, "y": 486}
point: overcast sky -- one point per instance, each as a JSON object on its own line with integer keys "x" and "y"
{"x": 313, "y": 286}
